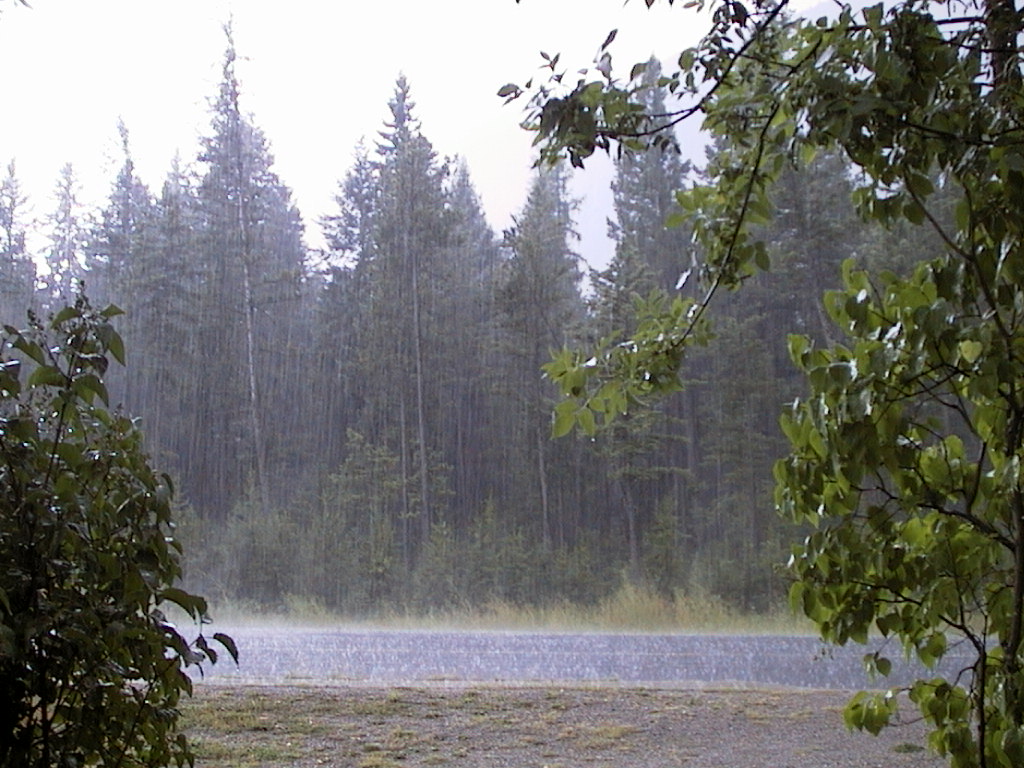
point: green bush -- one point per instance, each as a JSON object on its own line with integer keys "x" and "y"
{"x": 91, "y": 669}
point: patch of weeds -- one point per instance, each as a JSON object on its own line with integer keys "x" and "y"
{"x": 604, "y": 736}
{"x": 212, "y": 750}
{"x": 803, "y": 714}
{"x": 556, "y": 702}
{"x": 400, "y": 739}
{"x": 240, "y": 754}
{"x": 378, "y": 760}
{"x": 907, "y": 749}
{"x": 387, "y": 706}
{"x": 227, "y": 715}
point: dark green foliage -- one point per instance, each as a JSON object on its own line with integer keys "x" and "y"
{"x": 905, "y": 454}
{"x": 17, "y": 272}
{"x": 367, "y": 428}
{"x": 91, "y": 668}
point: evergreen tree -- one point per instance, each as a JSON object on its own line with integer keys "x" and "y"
{"x": 249, "y": 307}
{"x": 466, "y": 311}
{"x": 117, "y": 240}
{"x": 342, "y": 322}
{"x": 413, "y": 231}
{"x": 652, "y": 456}
{"x": 64, "y": 256}
{"x": 644, "y": 201}
{"x": 17, "y": 270}
{"x": 115, "y": 251}
{"x": 541, "y": 309}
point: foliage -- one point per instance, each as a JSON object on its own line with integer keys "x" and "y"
{"x": 91, "y": 667}
{"x": 306, "y": 364}
{"x": 906, "y": 454}
{"x": 17, "y": 271}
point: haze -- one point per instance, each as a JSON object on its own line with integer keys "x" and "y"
{"x": 316, "y": 78}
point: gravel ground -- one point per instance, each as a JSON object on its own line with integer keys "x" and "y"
{"x": 538, "y": 726}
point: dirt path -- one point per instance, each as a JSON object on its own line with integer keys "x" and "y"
{"x": 537, "y": 727}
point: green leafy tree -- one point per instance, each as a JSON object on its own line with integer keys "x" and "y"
{"x": 647, "y": 460}
{"x": 91, "y": 667}
{"x": 905, "y": 453}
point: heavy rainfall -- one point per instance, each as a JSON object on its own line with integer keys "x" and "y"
{"x": 398, "y": 448}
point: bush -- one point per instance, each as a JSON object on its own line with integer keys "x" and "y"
{"x": 91, "y": 669}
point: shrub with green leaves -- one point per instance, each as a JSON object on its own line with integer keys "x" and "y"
{"x": 905, "y": 468}
{"x": 91, "y": 669}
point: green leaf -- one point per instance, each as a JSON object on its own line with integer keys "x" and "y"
{"x": 88, "y": 385}
{"x": 192, "y": 605}
{"x": 67, "y": 313}
{"x": 564, "y": 418}
{"x": 47, "y": 376}
{"x": 111, "y": 310}
{"x": 228, "y": 643}
{"x": 585, "y": 418}
{"x": 30, "y": 348}
{"x": 970, "y": 350}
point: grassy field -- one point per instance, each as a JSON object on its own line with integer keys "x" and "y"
{"x": 534, "y": 726}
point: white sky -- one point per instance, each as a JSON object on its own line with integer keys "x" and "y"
{"x": 316, "y": 76}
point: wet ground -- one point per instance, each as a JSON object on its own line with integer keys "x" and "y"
{"x": 282, "y": 655}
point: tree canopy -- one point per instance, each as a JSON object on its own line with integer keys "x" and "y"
{"x": 906, "y": 452}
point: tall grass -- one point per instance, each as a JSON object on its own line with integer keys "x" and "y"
{"x": 632, "y": 608}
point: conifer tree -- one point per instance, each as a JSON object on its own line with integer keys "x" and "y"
{"x": 251, "y": 268}
{"x": 541, "y": 309}
{"x": 17, "y": 270}
{"x": 64, "y": 255}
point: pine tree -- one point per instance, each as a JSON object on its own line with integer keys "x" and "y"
{"x": 652, "y": 455}
{"x": 644, "y": 201}
{"x": 17, "y": 270}
{"x": 64, "y": 256}
{"x": 115, "y": 251}
{"x": 412, "y": 234}
{"x": 541, "y": 309}
{"x": 249, "y": 307}
{"x": 465, "y": 318}
{"x": 342, "y": 322}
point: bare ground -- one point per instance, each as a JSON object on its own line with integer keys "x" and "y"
{"x": 537, "y": 726}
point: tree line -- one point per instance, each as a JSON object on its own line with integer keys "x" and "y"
{"x": 369, "y": 427}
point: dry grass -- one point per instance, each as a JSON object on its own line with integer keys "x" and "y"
{"x": 630, "y": 609}
{"x": 496, "y": 726}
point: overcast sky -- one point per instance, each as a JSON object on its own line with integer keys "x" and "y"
{"x": 316, "y": 76}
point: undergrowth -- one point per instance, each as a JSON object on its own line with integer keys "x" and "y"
{"x": 631, "y": 608}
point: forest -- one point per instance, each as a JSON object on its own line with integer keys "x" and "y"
{"x": 367, "y": 428}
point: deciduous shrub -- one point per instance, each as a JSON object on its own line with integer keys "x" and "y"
{"x": 91, "y": 669}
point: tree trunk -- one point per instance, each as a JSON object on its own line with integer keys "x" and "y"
{"x": 255, "y": 420}
{"x": 629, "y": 507}
{"x": 542, "y": 475}
{"x": 421, "y": 421}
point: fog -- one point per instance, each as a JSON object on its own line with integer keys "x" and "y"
{"x": 331, "y": 656}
